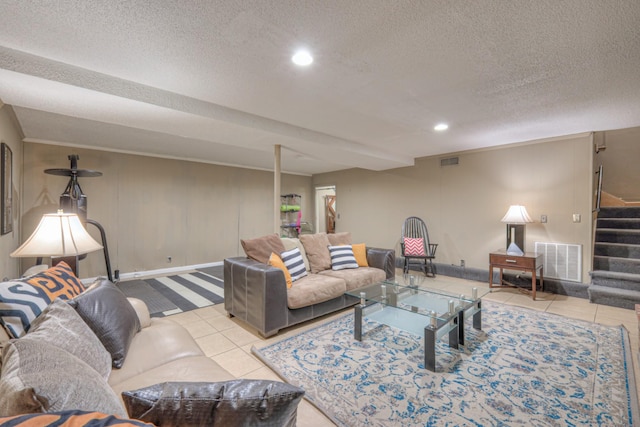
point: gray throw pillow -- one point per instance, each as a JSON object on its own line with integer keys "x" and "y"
{"x": 61, "y": 326}
{"x": 39, "y": 377}
{"x": 230, "y": 403}
{"x": 110, "y": 316}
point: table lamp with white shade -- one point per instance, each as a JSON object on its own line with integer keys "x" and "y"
{"x": 516, "y": 218}
{"x": 58, "y": 235}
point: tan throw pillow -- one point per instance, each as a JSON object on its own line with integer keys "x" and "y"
{"x": 39, "y": 377}
{"x": 60, "y": 325}
{"x": 317, "y": 248}
{"x": 260, "y": 248}
{"x": 339, "y": 239}
{"x": 290, "y": 243}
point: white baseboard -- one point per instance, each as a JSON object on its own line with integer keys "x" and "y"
{"x": 158, "y": 272}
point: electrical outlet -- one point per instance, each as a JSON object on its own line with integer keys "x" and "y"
{"x": 169, "y": 259}
{"x": 462, "y": 263}
{"x": 543, "y": 219}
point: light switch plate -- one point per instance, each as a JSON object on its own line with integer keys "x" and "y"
{"x": 543, "y": 218}
{"x": 576, "y": 218}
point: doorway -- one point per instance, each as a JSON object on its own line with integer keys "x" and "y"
{"x": 325, "y": 202}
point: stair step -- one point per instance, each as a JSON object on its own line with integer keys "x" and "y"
{"x": 619, "y": 212}
{"x": 618, "y": 264}
{"x": 618, "y": 223}
{"x": 615, "y": 279}
{"x": 621, "y": 250}
{"x": 623, "y": 298}
{"x": 613, "y": 235}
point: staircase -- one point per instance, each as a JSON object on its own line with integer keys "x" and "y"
{"x": 615, "y": 279}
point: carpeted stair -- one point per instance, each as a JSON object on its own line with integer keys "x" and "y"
{"x": 615, "y": 279}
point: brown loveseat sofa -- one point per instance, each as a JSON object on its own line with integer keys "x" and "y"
{"x": 82, "y": 349}
{"x": 257, "y": 293}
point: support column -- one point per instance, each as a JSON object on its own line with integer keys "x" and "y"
{"x": 276, "y": 189}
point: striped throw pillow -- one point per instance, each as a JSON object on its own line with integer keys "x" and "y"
{"x": 342, "y": 257}
{"x": 21, "y": 301}
{"x": 293, "y": 261}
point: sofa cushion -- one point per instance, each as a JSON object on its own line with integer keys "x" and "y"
{"x": 317, "y": 248}
{"x": 276, "y": 261}
{"x": 292, "y": 260}
{"x": 231, "y": 403}
{"x": 111, "y": 317}
{"x": 342, "y": 238}
{"x": 356, "y": 278}
{"x": 160, "y": 343}
{"x": 185, "y": 368}
{"x": 61, "y": 326}
{"x": 342, "y": 257}
{"x": 360, "y": 253}
{"x": 71, "y": 418}
{"x": 292, "y": 242}
{"x": 39, "y": 377}
{"x": 314, "y": 289}
{"x": 21, "y": 301}
{"x": 260, "y": 248}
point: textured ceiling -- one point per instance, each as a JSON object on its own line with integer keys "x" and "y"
{"x": 213, "y": 81}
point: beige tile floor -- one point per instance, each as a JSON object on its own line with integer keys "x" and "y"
{"x": 229, "y": 341}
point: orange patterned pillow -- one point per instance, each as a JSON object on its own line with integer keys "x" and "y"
{"x": 57, "y": 282}
{"x": 21, "y": 301}
{"x": 71, "y": 418}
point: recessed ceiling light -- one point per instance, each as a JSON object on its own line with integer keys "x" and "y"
{"x": 441, "y": 127}
{"x": 302, "y": 58}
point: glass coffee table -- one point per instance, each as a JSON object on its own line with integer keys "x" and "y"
{"x": 420, "y": 310}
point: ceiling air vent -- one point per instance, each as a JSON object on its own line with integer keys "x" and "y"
{"x": 449, "y": 161}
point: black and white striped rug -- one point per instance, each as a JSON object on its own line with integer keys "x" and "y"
{"x": 176, "y": 294}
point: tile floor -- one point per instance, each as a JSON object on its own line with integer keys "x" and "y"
{"x": 229, "y": 341}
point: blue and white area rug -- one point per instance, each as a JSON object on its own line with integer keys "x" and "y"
{"x": 525, "y": 368}
{"x": 176, "y": 294}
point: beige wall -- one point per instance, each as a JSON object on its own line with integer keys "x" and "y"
{"x": 463, "y": 204}
{"x": 621, "y": 173}
{"x": 197, "y": 213}
{"x": 152, "y": 208}
{"x": 10, "y": 134}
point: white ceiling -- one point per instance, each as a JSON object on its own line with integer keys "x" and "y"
{"x": 212, "y": 80}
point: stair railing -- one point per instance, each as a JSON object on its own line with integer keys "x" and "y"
{"x": 599, "y": 189}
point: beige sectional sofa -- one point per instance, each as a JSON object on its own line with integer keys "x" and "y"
{"x": 257, "y": 292}
{"x": 85, "y": 348}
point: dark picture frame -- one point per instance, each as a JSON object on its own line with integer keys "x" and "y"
{"x": 6, "y": 184}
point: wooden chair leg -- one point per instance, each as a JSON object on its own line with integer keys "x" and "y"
{"x": 430, "y": 269}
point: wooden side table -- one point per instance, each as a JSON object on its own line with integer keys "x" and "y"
{"x": 530, "y": 261}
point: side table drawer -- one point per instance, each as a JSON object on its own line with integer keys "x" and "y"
{"x": 511, "y": 261}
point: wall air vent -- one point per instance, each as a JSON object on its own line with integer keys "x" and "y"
{"x": 561, "y": 261}
{"x": 450, "y": 161}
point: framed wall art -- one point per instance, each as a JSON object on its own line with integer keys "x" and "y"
{"x": 6, "y": 157}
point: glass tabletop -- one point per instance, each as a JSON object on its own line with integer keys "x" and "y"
{"x": 397, "y": 302}
{"x": 441, "y": 287}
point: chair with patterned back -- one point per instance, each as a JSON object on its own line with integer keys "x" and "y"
{"x": 416, "y": 247}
